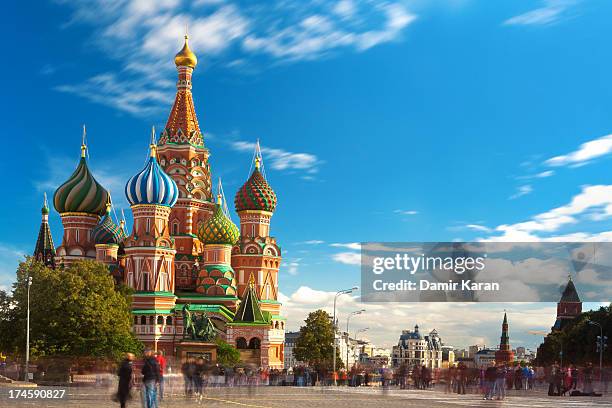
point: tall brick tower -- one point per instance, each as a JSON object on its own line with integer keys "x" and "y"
{"x": 149, "y": 250}
{"x": 256, "y": 257}
{"x": 569, "y": 306}
{"x": 504, "y": 354}
{"x": 183, "y": 156}
{"x": 80, "y": 201}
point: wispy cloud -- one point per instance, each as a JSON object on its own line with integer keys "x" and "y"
{"x": 349, "y": 245}
{"x": 349, "y": 258}
{"x": 314, "y": 242}
{"x": 585, "y": 153}
{"x": 478, "y": 227}
{"x": 406, "y": 212}
{"x": 521, "y": 191}
{"x": 281, "y": 159}
{"x": 593, "y": 202}
{"x": 550, "y": 12}
{"x": 142, "y": 36}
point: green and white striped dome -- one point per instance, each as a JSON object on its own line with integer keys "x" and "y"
{"x": 81, "y": 193}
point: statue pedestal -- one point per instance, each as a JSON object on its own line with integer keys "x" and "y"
{"x": 195, "y": 349}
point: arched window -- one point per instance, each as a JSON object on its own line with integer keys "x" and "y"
{"x": 169, "y": 321}
{"x": 276, "y": 325}
{"x": 255, "y": 343}
{"x": 151, "y": 320}
{"x": 143, "y": 320}
{"x": 241, "y": 343}
{"x": 175, "y": 228}
{"x": 160, "y": 320}
{"x": 135, "y": 319}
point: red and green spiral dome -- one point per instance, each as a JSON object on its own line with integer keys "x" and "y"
{"x": 255, "y": 194}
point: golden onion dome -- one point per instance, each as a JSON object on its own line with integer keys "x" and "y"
{"x": 186, "y": 57}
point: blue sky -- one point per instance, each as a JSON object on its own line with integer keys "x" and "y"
{"x": 380, "y": 121}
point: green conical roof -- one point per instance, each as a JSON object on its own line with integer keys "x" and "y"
{"x": 249, "y": 310}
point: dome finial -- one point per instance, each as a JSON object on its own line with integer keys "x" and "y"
{"x": 186, "y": 57}
{"x": 83, "y": 143}
{"x": 45, "y": 207}
{"x": 153, "y": 145}
{"x": 108, "y": 204}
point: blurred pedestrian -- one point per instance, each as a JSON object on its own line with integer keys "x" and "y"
{"x": 125, "y": 380}
{"x": 150, "y": 379}
{"x": 161, "y": 361}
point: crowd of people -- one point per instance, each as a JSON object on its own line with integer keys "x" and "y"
{"x": 492, "y": 381}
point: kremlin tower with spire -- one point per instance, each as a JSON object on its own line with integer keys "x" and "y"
{"x": 504, "y": 355}
{"x": 183, "y": 248}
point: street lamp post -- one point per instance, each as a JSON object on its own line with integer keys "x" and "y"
{"x": 600, "y": 346}
{"x": 27, "y": 356}
{"x": 339, "y": 293}
{"x": 348, "y": 319}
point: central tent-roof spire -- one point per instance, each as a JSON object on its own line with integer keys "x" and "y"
{"x": 182, "y": 127}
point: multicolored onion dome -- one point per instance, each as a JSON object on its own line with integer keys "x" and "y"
{"x": 218, "y": 229}
{"x": 81, "y": 192}
{"x": 107, "y": 232}
{"x": 255, "y": 194}
{"x": 152, "y": 185}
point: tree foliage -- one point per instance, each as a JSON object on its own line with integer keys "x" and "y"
{"x": 74, "y": 312}
{"x": 314, "y": 345}
{"x": 577, "y": 340}
{"x": 227, "y": 355}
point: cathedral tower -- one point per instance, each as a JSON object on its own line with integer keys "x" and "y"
{"x": 107, "y": 237}
{"x": 45, "y": 250}
{"x": 149, "y": 250}
{"x": 256, "y": 256}
{"x": 80, "y": 201}
{"x": 216, "y": 279}
{"x": 504, "y": 354}
{"x": 183, "y": 156}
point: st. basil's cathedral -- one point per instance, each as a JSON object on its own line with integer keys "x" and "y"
{"x": 183, "y": 247}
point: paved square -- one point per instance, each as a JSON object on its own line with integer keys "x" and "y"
{"x": 314, "y": 397}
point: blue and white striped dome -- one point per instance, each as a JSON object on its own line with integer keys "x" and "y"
{"x": 152, "y": 186}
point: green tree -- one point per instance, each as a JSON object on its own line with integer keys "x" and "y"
{"x": 314, "y": 345}
{"x": 74, "y": 312}
{"x": 577, "y": 340}
{"x": 227, "y": 355}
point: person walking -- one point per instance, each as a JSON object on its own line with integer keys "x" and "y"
{"x": 161, "y": 361}
{"x": 125, "y": 380}
{"x": 574, "y": 376}
{"x": 462, "y": 373}
{"x": 490, "y": 376}
{"x": 150, "y": 379}
{"x": 500, "y": 382}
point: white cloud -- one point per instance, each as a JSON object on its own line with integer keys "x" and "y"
{"x": 406, "y": 212}
{"x": 551, "y": 12}
{"x": 384, "y": 331}
{"x": 281, "y": 159}
{"x": 349, "y": 258}
{"x": 293, "y": 266}
{"x": 143, "y": 36}
{"x": 584, "y": 154}
{"x": 317, "y": 34}
{"x": 349, "y": 245}
{"x": 478, "y": 227}
{"x": 545, "y": 174}
{"x": 591, "y": 200}
{"x": 521, "y": 191}
{"x": 314, "y": 242}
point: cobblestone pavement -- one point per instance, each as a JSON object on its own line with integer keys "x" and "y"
{"x": 276, "y": 397}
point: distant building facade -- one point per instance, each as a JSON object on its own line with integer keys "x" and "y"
{"x": 414, "y": 349}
